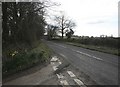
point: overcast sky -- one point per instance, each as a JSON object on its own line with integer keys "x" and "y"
{"x": 92, "y": 17}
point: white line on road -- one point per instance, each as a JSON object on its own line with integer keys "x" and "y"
{"x": 84, "y": 53}
{"x": 71, "y": 73}
{"x": 97, "y": 58}
{"x": 62, "y": 46}
{"x": 88, "y": 55}
{"x": 54, "y": 59}
{"x": 78, "y": 82}
{"x": 60, "y": 76}
{"x": 52, "y": 63}
{"x": 60, "y": 62}
{"x": 64, "y": 82}
{"x": 62, "y": 55}
{"x": 55, "y": 68}
{"x": 73, "y": 50}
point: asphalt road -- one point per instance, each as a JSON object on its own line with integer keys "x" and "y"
{"x": 101, "y": 67}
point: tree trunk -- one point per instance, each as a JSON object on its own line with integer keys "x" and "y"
{"x": 62, "y": 34}
{"x": 5, "y": 34}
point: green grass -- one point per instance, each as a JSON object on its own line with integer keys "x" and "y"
{"x": 104, "y": 49}
{"x": 96, "y": 48}
{"x": 27, "y": 59}
{"x": 44, "y": 49}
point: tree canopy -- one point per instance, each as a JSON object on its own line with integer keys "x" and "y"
{"x": 64, "y": 23}
{"x": 51, "y": 31}
{"x": 22, "y": 21}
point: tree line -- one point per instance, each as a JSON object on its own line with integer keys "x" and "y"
{"x": 63, "y": 26}
{"x": 22, "y": 22}
{"x": 23, "y": 25}
{"x": 25, "y": 22}
{"x": 111, "y": 42}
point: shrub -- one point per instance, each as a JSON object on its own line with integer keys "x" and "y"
{"x": 22, "y": 61}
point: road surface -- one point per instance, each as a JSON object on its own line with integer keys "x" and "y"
{"x": 101, "y": 67}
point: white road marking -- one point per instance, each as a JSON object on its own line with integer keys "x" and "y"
{"x": 62, "y": 46}
{"x": 73, "y": 50}
{"x": 55, "y": 68}
{"x": 78, "y": 82}
{"x": 52, "y": 63}
{"x": 88, "y": 55}
{"x": 62, "y": 55}
{"x": 60, "y": 76}
{"x": 54, "y": 59}
{"x": 55, "y": 43}
{"x": 71, "y": 74}
{"x": 60, "y": 62}
{"x": 64, "y": 82}
{"x": 97, "y": 58}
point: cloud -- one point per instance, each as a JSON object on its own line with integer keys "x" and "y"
{"x": 96, "y": 22}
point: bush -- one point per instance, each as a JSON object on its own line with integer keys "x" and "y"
{"x": 25, "y": 60}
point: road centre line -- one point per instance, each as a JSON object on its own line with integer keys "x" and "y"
{"x": 62, "y": 46}
{"x": 71, "y": 74}
{"x": 88, "y": 55}
{"x": 62, "y": 55}
{"x": 78, "y": 82}
{"x": 97, "y": 58}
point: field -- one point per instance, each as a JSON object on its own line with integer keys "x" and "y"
{"x": 102, "y": 44}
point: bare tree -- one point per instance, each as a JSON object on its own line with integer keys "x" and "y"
{"x": 64, "y": 23}
{"x": 69, "y": 33}
{"x": 51, "y": 31}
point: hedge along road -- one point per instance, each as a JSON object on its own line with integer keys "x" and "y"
{"x": 101, "y": 67}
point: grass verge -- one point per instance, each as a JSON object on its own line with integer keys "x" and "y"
{"x": 104, "y": 49}
{"x": 24, "y": 60}
{"x": 97, "y": 48}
